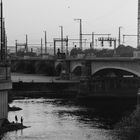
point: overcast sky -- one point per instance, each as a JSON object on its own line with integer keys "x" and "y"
{"x": 32, "y": 17}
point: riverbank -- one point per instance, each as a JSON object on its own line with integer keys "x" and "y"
{"x": 11, "y": 126}
{"x": 14, "y": 108}
{"x": 129, "y": 127}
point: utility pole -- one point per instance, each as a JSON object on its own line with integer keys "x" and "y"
{"x": 119, "y": 38}
{"x": 45, "y": 42}
{"x": 80, "y": 33}
{"x": 41, "y": 47}
{"x": 61, "y": 38}
{"x": 16, "y": 46}
{"x": 67, "y": 49}
{"x": 92, "y": 45}
{"x": 1, "y": 30}
{"x": 138, "y": 28}
{"x": 26, "y": 47}
{"x": 54, "y": 47}
{"x": 115, "y": 53}
{"x": 6, "y": 42}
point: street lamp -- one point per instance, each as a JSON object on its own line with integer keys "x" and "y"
{"x": 80, "y": 33}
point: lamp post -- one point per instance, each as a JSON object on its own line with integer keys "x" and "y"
{"x": 80, "y": 33}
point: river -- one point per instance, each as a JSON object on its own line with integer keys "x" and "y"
{"x": 62, "y": 119}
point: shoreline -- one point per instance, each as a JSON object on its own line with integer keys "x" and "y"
{"x": 10, "y": 126}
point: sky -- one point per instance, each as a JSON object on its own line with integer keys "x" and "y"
{"x": 33, "y": 17}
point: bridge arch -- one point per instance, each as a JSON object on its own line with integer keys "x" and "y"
{"x": 58, "y": 68}
{"x": 123, "y": 69}
{"x": 76, "y": 66}
{"x": 77, "y": 69}
{"x": 57, "y": 64}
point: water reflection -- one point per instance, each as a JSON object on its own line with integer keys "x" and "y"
{"x": 63, "y": 119}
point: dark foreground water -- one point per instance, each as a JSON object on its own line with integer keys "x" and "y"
{"x": 61, "y": 119}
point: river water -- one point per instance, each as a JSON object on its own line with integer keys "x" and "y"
{"x": 62, "y": 119}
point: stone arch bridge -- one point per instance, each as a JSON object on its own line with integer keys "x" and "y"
{"x": 131, "y": 65}
{"x": 107, "y": 86}
{"x": 94, "y": 65}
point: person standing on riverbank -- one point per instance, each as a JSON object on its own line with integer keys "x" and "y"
{"x": 21, "y": 119}
{"x": 16, "y": 118}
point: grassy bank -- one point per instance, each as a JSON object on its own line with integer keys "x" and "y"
{"x": 129, "y": 127}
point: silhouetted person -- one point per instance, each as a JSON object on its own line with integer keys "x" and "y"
{"x": 16, "y": 119}
{"x": 58, "y": 52}
{"x": 21, "y": 119}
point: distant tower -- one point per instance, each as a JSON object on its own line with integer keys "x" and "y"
{"x": 138, "y": 38}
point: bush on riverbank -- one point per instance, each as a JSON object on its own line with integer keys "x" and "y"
{"x": 129, "y": 127}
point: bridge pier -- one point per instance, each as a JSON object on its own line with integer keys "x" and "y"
{"x": 84, "y": 87}
{"x": 104, "y": 86}
{"x": 110, "y": 87}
